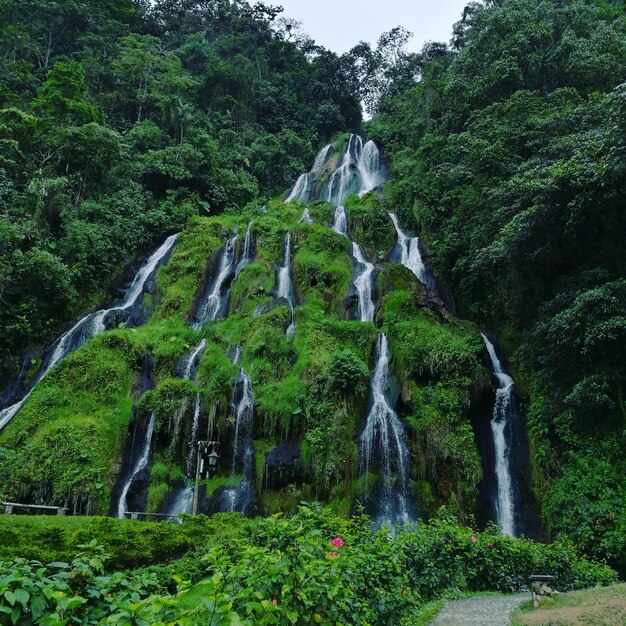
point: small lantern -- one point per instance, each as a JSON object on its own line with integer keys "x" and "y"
{"x": 213, "y": 460}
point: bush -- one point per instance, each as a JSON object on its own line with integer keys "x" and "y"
{"x": 312, "y": 568}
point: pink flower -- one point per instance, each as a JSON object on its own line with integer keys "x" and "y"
{"x": 274, "y": 601}
{"x": 333, "y": 555}
{"x": 337, "y": 542}
{"x": 474, "y": 540}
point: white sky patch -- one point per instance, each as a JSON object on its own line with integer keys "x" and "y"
{"x": 340, "y": 24}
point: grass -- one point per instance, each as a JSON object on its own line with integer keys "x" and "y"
{"x": 602, "y": 606}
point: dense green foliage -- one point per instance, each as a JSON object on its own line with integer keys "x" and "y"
{"x": 128, "y": 544}
{"x": 510, "y": 153}
{"x": 314, "y": 389}
{"x": 123, "y": 121}
{"x": 119, "y": 119}
{"x": 309, "y": 569}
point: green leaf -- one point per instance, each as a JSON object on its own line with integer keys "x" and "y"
{"x": 22, "y": 596}
{"x": 9, "y": 596}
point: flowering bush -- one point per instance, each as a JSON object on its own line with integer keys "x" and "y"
{"x": 312, "y": 568}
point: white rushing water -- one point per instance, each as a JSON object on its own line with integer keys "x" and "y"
{"x": 139, "y": 467}
{"x": 93, "y": 324}
{"x": 411, "y": 256}
{"x": 146, "y": 272}
{"x": 383, "y": 442}
{"x": 213, "y": 306}
{"x": 369, "y": 166}
{"x": 340, "y": 221}
{"x": 183, "y": 503}
{"x": 189, "y": 373}
{"x": 502, "y": 412}
{"x": 299, "y": 190}
{"x": 306, "y": 217}
{"x": 246, "y": 254}
{"x": 285, "y": 284}
{"x": 302, "y": 188}
{"x": 238, "y": 499}
{"x": 363, "y": 284}
{"x": 322, "y": 157}
{"x": 342, "y": 179}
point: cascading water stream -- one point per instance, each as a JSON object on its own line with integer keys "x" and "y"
{"x": 214, "y": 307}
{"x": 500, "y": 424}
{"x": 94, "y": 323}
{"x": 140, "y": 466}
{"x": 363, "y": 284}
{"x": 383, "y": 445}
{"x": 189, "y": 373}
{"x": 239, "y": 498}
{"x": 214, "y": 304}
{"x": 342, "y": 179}
{"x": 302, "y": 188}
{"x": 246, "y": 254}
{"x": 306, "y": 217}
{"x": 299, "y": 189}
{"x": 285, "y": 283}
{"x": 340, "y": 221}
{"x": 369, "y": 167}
{"x": 410, "y": 255}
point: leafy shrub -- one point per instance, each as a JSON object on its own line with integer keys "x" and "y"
{"x": 312, "y": 568}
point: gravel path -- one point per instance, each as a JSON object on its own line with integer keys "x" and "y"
{"x": 480, "y": 611}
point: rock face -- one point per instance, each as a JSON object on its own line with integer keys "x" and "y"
{"x": 266, "y": 336}
{"x": 283, "y": 466}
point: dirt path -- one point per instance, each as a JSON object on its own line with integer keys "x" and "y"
{"x": 480, "y": 611}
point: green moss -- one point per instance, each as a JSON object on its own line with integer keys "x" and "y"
{"x": 68, "y": 438}
{"x": 253, "y": 285}
{"x": 370, "y": 225}
{"x": 321, "y": 211}
{"x": 439, "y": 365}
{"x": 157, "y": 493}
{"x": 220, "y": 482}
{"x": 180, "y": 279}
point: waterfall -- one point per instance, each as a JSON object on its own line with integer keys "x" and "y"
{"x": 369, "y": 168}
{"x": 183, "y": 502}
{"x": 341, "y": 181}
{"x": 322, "y": 157}
{"x": 383, "y": 442}
{"x": 285, "y": 284}
{"x": 189, "y": 374}
{"x": 94, "y": 323}
{"x": 239, "y": 498}
{"x": 183, "y": 499}
{"x": 360, "y": 170}
{"x": 299, "y": 189}
{"x": 140, "y": 466}
{"x": 340, "y": 221}
{"x": 246, "y": 254}
{"x": 214, "y": 305}
{"x": 363, "y": 284}
{"x": 410, "y": 255}
{"x": 306, "y": 217}
{"x": 500, "y": 423}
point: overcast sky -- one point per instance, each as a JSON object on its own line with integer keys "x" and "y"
{"x": 340, "y": 24}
